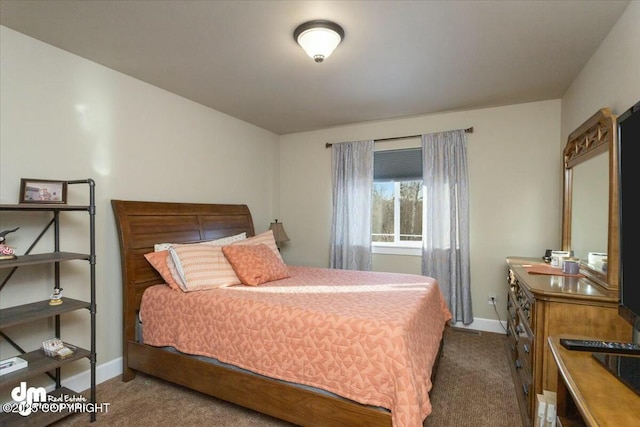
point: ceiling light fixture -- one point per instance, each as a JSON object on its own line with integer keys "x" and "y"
{"x": 318, "y": 38}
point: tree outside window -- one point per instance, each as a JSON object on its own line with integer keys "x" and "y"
{"x": 397, "y": 212}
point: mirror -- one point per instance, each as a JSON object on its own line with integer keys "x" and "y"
{"x": 590, "y": 208}
{"x": 590, "y": 217}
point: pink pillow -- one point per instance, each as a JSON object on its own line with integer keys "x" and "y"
{"x": 255, "y": 264}
{"x": 160, "y": 262}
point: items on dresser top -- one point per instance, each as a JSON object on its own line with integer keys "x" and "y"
{"x": 558, "y": 257}
{"x": 549, "y": 270}
{"x": 598, "y": 346}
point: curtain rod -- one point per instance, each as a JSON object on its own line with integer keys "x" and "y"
{"x": 395, "y": 138}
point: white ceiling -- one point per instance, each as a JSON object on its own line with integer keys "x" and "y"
{"x": 398, "y": 58}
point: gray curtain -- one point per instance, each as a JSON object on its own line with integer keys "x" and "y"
{"x": 352, "y": 167}
{"x": 445, "y": 240}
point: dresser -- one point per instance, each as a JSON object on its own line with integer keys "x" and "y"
{"x": 540, "y": 306}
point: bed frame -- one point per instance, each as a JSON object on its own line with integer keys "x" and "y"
{"x": 142, "y": 224}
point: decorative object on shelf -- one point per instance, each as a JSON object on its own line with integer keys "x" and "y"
{"x": 43, "y": 191}
{"x": 319, "y": 38}
{"x": 6, "y": 251}
{"x": 5, "y": 232}
{"x": 12, "y": 364}
{"x": 56, "y": 348}
{"x": 56, "y": 297}
{"x": 279, "y": 234}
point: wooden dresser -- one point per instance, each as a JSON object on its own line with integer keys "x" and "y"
{"x": 543, "y": 305}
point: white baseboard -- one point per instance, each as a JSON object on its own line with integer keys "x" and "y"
{"x": 486, "y": 325}
{"x": 104, "y": 372}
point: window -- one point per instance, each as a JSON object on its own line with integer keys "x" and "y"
{"x": 397, "y": 198}
{"x": 397, "y": 211}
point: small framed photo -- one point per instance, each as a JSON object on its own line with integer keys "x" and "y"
{"x": 43, "y": 191}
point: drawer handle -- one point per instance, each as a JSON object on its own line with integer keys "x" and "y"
{"x": 518, "y": 364}
{"x": 525, "y": 389}
{"x": 526, "y": 348}
{"x": 519, "y": 329}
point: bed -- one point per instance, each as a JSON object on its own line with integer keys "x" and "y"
{"x": 293, "y": 388}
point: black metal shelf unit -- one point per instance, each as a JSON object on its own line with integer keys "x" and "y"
{"x": 38, "y": 361}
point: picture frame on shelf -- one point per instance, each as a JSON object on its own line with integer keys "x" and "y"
{"x": 43, "y": 191}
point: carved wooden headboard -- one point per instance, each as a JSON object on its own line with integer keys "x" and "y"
{"x": 140, "y": 225}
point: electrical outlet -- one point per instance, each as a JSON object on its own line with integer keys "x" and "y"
{"x": 492, "y": 299}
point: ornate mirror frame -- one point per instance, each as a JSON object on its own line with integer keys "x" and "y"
{"x": 596, "y": 135}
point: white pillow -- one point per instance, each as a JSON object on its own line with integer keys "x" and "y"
{"x": 218, "y": 242}
{"x": 265, "y": 238}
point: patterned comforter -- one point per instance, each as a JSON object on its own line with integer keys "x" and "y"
{"x": 367, "y": 336}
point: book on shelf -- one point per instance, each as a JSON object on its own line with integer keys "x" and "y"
{"x": 12, "y": 364}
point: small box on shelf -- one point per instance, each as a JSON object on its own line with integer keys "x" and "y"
{"x": 56, "y": 348}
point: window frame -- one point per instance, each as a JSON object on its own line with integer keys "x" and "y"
{"x": 398, "y": 247}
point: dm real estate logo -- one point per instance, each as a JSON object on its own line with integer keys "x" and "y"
{"x": 27, "y": 398}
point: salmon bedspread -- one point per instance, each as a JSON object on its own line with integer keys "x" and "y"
{"x": 367, "y": 336}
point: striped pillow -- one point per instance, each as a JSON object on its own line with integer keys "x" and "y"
{"x": 174, "y": 272}
{"x": 203, "y": 266}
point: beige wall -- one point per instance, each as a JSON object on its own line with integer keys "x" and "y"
{"x": 514, "y": 169}
{"x": 63, "y": 117}
{"x": 611, "y": 78}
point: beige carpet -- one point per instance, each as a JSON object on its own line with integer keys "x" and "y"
{"x": 473, "y": 389}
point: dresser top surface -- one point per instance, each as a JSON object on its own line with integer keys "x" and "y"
{"x": 546, "y": 285}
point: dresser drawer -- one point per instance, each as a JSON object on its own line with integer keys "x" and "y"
{"x": 512, "y": 308}
{"x": 524, "y": 387}
{"x": 512, "y": 338}
{"x": 524, "y": 351}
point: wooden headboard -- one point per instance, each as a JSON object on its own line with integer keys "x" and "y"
{"x": 140, "y": 225}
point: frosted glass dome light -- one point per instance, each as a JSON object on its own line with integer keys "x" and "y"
{"x": 319, "y": 38}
